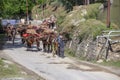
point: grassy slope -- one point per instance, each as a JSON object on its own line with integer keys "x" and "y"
{"x": 86, "y": 25}
{"x": 60, "y": 13}
{"x": 72, "y": 21}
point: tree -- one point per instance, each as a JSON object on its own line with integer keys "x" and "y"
{"x": 15, "y": 8}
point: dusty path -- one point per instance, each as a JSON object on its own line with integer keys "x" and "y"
{"x": 54, "y": 68}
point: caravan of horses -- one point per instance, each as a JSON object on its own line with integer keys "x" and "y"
{"x": 34, "y": 34}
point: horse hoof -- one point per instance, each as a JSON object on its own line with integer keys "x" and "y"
{"x": 44, "y": 51}
{"x": 28, "y": 49}
{"x": 38, "y": 49}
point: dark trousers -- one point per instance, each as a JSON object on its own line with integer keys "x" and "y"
{"x": 60, "y": 52}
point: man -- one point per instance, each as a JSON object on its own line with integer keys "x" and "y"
{"x": 60, "y": 46}
{"x": 52, "y": 21}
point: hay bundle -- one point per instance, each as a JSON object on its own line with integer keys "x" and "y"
{"x": 48, "y": 31}
{"x": 29, "y": 26}
{"x": 31, "y": 31}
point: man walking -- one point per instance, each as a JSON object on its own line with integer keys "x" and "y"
{"x": 60, "y": 46}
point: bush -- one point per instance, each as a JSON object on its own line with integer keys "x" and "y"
{"x": 70, "y": 52}
{"x": 92, "y": 11}
{"x": 90, "y": 28}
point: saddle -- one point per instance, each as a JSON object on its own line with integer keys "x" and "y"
{"x": 25, "y": 35}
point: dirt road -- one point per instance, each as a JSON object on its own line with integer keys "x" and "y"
{"x": 54, "y": 68}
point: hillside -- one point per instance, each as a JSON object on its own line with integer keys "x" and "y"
{"x": 80, "y": 26}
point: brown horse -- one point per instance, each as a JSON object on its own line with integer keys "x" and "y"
{"x": 22, "y": 32}
{"x": 11, "y": 32}
{"x": 47, "y": 41}
{"x": 8, "y": 32}
{"x": 32, "y": 38}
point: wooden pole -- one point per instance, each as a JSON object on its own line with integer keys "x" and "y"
{"x": 85, "y": 2}
{"x": 43, "y": 8}
{"x": 108, "y": 14}
{"x": 27, "y": 10}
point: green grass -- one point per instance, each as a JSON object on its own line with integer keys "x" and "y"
{"x": 14, "y": 71}
{"x": 69, "y": 52}
{"x": 9, "y": 70}
{"x": 92, "y": 11}
{"x": 1, "y": 62}
{"x": 111, "y": 63}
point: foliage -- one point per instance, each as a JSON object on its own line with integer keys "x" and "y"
{"x": 84, "y": 26}
{"x": 92, "y": 11}
{"x": 92, "y": 28}
{"x": 74, "y": 17}
{"x": 59, "y": 12}
{"x": 70, "y": 52}
{"x": 70, "y": 3}
{"x": 17, "y": 8}
{"x": 101, "y": 1}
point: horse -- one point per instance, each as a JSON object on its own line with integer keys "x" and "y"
{"x": 33, "y": 36}
{"x": 31, "y": 39}
{"x": 47, "y": 41}
{"x": 8, "y": 32}
{"x": 11, "y": 32}
{"x": 22, "y": 32}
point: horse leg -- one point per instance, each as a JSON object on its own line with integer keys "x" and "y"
{"x": 13, "y": 36}
{"x": 10, "y": 38}
{"x": 13, "y": 40}
{"x": 44, "y": 47}
{"x": 38, "y": 44}
{"x": 51, "y": 47}
{"x": 23, "y": 40}
{"x": 48, "y": 48}
{"x": 28, "y": 45}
